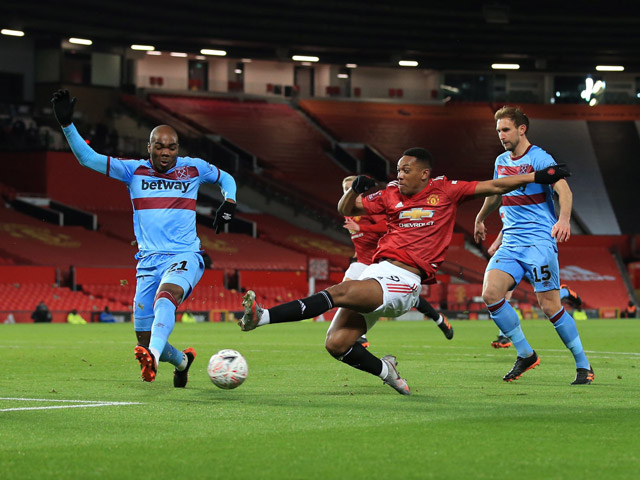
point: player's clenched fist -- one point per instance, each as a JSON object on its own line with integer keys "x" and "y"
{"x": 552, "y": 174}
{"x": 63, "y": 105}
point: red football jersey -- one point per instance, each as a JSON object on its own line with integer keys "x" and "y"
{"x": 419, "y": 226}
{"x": 372, "y": 227}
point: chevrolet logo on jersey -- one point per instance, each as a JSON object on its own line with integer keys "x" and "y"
{"x": 416, "y": 214}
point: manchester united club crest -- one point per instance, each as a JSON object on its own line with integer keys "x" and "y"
{"x": 182, "y": 173}
{"x": 433, "y": 199}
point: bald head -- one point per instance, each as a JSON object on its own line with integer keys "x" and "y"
{"x": 162, "y": 130}
{"x": 163, "y": 148}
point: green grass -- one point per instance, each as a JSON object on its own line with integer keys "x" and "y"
{"x": 301, "y": 414}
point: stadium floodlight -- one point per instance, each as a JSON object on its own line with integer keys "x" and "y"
{"x": 408, "y": 63}
{"x": 343, "y": 75}
{"x": 305, "y": 58}
{"x": 154, "y": 52}
{"x": 216, "y": 53}
{"x": 351, "y": 65}
{"x": 178, "y": 54}
{"x": 505, "y": 66}
{"x": 80, "y": 41}
{"x": 246, "y": 60}
{"x": 12, "y": 33}
{"x": 610, "y": 68}
{"x": 143, "y": 47}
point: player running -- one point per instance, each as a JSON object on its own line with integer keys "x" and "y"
{"x": 530, "y": 231}
{"x": 163, "y": 193}
{"x": 421, "y": 213}
{"x": 366, "y": 231}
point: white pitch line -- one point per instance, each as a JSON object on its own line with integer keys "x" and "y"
{"x": 475, "y": 349}
{"x": 78, "y": 404}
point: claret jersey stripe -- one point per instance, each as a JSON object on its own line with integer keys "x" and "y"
{"x": 164, "y": 202}
{"x": 513, "y": 200}
{"x": 180, "y": 173}
{"x": 521, "y": 170}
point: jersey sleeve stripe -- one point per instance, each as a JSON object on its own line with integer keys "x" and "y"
{"x": 108, "y": 166}
{"x": 176, "y": 203}
{"x": 517, "y": 200}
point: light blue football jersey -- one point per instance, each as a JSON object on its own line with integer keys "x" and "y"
{"x": 528, "y": 213}
{"x": 164, "y": 204}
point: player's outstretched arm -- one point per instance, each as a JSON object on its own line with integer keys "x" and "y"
{"x": 63, "y": 106}
{"x": 545, "y": 176}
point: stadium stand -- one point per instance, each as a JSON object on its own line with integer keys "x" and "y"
{"x": 461, "y": 138}
{"x": 235, "y": 251}
{"x": 289, "y": 148}
{"x": 47, "y": 244}
{"x": 160, "y": 116}
{"x": 593, "y": 273}
{"x": 285, "y": 234}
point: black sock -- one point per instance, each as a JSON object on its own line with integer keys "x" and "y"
{"x": 297, "y": 310}
{"x": 362, "y": 359}
{"x": 425, "y": 307}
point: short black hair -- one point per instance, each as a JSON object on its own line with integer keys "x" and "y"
{"x": 422, "y": 154}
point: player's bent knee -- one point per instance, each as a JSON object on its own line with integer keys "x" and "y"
{"x": 492, "y": 295}
{"x": 337, "y": 345}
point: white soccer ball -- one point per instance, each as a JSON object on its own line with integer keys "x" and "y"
{"x": 227, "y": 369}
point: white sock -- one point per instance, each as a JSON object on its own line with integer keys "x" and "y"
{"x": 184, "y": 362}
{"x": 385, "y": 371}
{"x": 439, "y": 320}
{"x": 264, "y": 318}
{"x": 156, "y": 355}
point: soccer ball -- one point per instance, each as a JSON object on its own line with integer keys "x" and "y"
{"x": 227, "y": 369}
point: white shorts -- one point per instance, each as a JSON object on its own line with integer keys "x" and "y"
{"x": 355, "y": 270}
{"x": 401, "y": 289}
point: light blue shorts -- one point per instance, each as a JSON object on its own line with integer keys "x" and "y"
{"x": 183, "y": 269}
{"x": 538, "y": 262}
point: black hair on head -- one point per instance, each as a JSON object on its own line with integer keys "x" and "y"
{"x": 422, "y": 154}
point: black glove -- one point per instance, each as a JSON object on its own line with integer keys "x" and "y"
{"x": 551, "y": 174}
{"x": 63, "y": 107}
{"x": 362, "y": 183}
{"x": 224, "y": 214}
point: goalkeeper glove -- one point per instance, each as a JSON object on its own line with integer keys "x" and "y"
{"x": 362, "y": 183}
{"x": 63, "y": 105}
{"x": 551, "y": 174}
{"x": 224, "y": 214}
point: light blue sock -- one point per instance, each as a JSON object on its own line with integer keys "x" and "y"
{"x": 566, "y": 328}
{"x": 164, "y": 312}
{"x": 506, "y": 318}
{"x": 172, "y": 355}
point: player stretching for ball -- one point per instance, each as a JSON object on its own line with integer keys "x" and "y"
{"x": 365, "y": 231}
{"x": 529, "y": 234}
{"x": 421, "y": 213}
{"x": 163, "y": 192}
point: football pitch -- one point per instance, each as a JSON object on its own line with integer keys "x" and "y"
{"x": 73, "y": 406}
